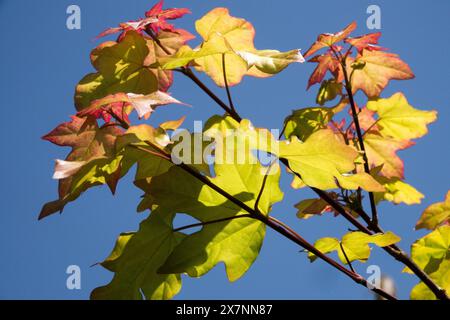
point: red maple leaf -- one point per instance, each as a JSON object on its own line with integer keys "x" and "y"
{"x": 162, "y": 15}
{"x": 138, "y": 25}
{"x": 367, "y": 41}
{"x": 329, "y": 39}
{"x": 326, "y": 62}
{"x": 156, "y": 19}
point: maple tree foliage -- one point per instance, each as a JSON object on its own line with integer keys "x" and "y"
{"x": 349, "y": 155}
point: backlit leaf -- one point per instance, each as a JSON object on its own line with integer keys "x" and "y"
{"x": 375, "y": 69}
{"x": 232, "y": 37}
{"x": 235, "y": 242}
{"x": 397, "y": 191}
{"x": 120, "y": 67}
{"x": 303, "y": 122}
{"x": 435, "y": 215}
{"x": 325, "y": 62}
{"x": 383, "y": 151}
{"x": 441, "y": 277}
{"x": 429, "y": 251}
{"x": 399, "y": 120}
{"x": 91, "y": 145}
{"x": 432, "y": 254}
{"x": 328, "y": 39}
{"x": 136, "y": 258}
{"x": 355, "y": 245}
{"x": 329, "y": 90}
{"x": 310, "y": 207}
{"x": 323, "y": 161}
{"x": 367, "y": 41}
{"x": 270, "y": 61}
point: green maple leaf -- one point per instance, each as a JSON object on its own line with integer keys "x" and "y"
{"x": 441, "y": 277}
{"x": 355, "y": 245}
{"x": 235, "y": 242}
{"x": 399, "y": 120}
{"x": 303, "y": 122}
{"x": 136, "y": 258}
{"x": 324, "y": 161}
{"x": 398, "y": 191}
{"x": 435, "y": 215}
{"x": 432, "y": 254}
{"x": 329, "y": 90}
{"x": 428, "y": 252}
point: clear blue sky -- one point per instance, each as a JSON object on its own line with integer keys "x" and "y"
{"x": 41, "y": 63}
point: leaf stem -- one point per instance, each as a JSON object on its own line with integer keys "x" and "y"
{"x": 225, "y": 80}
{"x": 188, "y": 72}
{"x": 261, "y": 190}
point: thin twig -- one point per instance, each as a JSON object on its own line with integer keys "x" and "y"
{"x": 261, "y": 190}
{"x": 279, "y": 227}
{"x": 225, "y": 80}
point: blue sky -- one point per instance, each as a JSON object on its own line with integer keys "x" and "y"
{"x": 42, "y": 61}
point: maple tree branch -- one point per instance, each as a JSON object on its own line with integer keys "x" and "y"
{"x": 308, "y": 246}
{"x": 403, "y": 257}
{"x": 284, "y": 225}
{"x": 393, "y": 250}
{"x": 277, "y": 225}
{"x": 225, "y": 80}
{"x": 201, "y": 224}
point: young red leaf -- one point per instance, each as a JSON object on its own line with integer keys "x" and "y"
{"x": 329, "y": 39}
{"x": 162, "y": 15}
{"x": 155, "y": 20}
{"x": 367, "y": 41}
{"x": 139, "y": 26}
{"x": 326, "y": 62}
